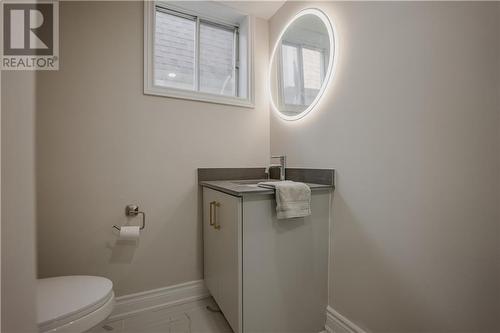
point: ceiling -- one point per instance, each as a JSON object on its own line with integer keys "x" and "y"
{"x": 262, "y": 9}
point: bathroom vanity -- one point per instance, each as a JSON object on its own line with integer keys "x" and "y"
{"x": 266, "y": 275}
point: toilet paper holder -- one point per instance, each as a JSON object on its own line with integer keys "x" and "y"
{"x": 133, "y": 210}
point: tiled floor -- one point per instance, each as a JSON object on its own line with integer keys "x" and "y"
{"x": 191, "y": 317}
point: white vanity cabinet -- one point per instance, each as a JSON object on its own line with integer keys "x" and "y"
{"x": 266, "y": 275}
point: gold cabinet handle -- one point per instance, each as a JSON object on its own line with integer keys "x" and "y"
{"x": 213, "y": 214}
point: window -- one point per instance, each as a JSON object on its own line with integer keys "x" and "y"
{"x": 191, "y": 56}
{"x": 218, "y": 59}
{"x": 174, "y": 50}
{"x": 303, "y": 69}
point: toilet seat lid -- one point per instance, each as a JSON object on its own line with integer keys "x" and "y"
{"x": 69, "y": 296}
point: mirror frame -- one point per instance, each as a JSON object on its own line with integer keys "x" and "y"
{"x": 332, "y": 35}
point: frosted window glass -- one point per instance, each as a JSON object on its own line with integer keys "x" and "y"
{"x": 174, "y": 51}
{"x": 217, "y": 59}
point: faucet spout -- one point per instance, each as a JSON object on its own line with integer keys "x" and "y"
{"x": 282, "y": 165}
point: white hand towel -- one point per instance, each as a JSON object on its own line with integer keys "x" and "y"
{"x": 293, "y": 199}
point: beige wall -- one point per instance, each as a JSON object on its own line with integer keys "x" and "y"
{"x": 18, "y": 202}
{"x": 102, "y": 144}
{"x": 498, "y": 101}
{"x": 411, "y": 125}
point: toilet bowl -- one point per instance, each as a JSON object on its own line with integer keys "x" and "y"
{"x": 73, "y": 303}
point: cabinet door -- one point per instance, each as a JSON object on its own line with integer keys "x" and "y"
{"x": 222, "y": 252}
{"x": 285, "y": 266}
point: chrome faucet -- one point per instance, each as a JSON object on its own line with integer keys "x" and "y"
{"x": 282, "y": 165}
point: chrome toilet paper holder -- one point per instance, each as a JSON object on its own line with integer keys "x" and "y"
{"x": 132, "y": 211}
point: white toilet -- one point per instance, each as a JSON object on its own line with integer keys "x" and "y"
{"x": 73, "y": 303}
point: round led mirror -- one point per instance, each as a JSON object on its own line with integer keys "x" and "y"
{"x": 301, "y": 64}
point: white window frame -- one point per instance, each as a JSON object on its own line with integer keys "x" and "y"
{"x": 245, "y": 77}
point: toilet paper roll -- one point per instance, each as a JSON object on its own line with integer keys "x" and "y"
{"x": 129, "y": 232}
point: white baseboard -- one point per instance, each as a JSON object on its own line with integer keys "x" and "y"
{"x": 337, "y": 323}
{"x": 133, "y": 304}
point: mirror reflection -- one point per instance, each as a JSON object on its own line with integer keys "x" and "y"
{"x": 300, "y": 64}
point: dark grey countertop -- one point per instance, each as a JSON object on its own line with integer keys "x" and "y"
{"x": 240, "y": 188}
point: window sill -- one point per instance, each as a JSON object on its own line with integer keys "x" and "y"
{"x": 198, "y": 96}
